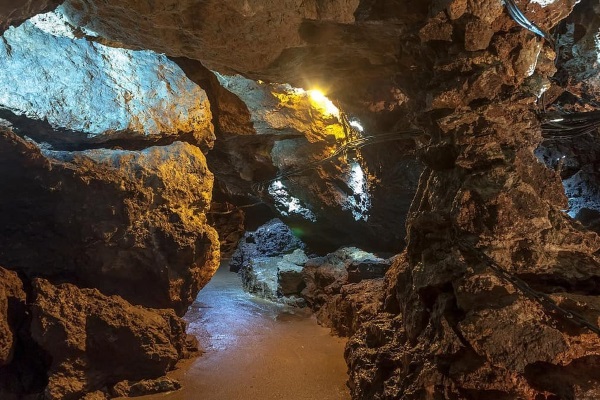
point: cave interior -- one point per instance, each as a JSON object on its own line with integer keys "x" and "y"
{"x": 421, "y": 178}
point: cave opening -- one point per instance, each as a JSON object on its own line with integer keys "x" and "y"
{"x": 375, "y": 200}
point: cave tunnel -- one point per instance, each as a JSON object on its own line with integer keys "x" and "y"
{"x": 303, "y": 200}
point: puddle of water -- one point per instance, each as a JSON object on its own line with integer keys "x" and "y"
{"x": 256, "y": 349}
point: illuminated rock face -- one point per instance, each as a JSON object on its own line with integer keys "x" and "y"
{"x": 202, "y": 30}
{"x": 442, "y": 324}
{"x": 127, "y": 223}
{"x": 102, "y": 92}
{"x": 303, "y": 43}
{"x": 330, "y": 203}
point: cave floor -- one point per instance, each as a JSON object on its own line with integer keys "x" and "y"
{"x": 255, "y": 349}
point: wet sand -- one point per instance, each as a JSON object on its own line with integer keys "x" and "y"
{"x": 255, "y": 349}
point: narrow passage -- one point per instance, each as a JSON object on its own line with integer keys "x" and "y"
{"x": 255, "y": 349}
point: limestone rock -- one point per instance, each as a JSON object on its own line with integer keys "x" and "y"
{"x": 96, "y": 93}
{"x": 356, "y": 304}
{"x": 12, "y": 310}
{"x": 324, "y": 276}
{"x": 275, "y": 279}
{"x": 96, "y": 340}
{"x": 125, "y": 222}
{"x": 300, "y": 42}
{"x": 269, "y": 261}
{"x": 367, "y": 269}
{"x": 448, "y": 326}
{"x": 259, "y": 277}
{"x": 289, "y": 273}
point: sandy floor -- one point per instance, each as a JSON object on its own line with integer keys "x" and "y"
{"x": 257, "y": 350}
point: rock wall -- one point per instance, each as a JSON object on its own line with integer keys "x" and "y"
{"x": 450, "y": 326}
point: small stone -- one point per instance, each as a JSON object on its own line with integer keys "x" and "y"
{"x": 145, "y": 387}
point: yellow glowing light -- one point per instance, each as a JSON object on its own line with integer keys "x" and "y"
{"x": 322, "y": 102}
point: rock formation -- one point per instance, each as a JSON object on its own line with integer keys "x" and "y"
{"x": 96, "y": 93}
{"x": 12, "y": 302}
{"x": 15, "y": 12}
{"x": 451, "y": 326}
{"x": 95, "y": 341}
{"x": 485, "y": 299}
{"x": 127, "y": 223}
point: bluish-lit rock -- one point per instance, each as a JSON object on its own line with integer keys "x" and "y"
{"x": 103, "y": 92}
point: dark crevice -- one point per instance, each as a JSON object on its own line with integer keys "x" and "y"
{"x": 62, "y": 139}
{"x": 553, "y": 283}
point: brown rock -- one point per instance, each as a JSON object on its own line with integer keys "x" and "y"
{"x": 130, "y": 223}
{"x": 356, "y": 304}
{"x": 145, "y": 387}
{"x": 478, "y": 35}
{"x": 12, "y": 308}
{"x": 95, "y": 340}
{"x": 13, "y": 13}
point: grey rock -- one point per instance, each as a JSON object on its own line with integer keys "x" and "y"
{"x": 289, "y": 278}
{"x": 272, "y": 239}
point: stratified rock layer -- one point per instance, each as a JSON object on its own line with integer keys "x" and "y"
{"x": 127, "y": 223}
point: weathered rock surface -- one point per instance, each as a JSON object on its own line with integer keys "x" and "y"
{"x": 355, "y": 304}
{"x": 449, "y": 326}
{"x": 145, "y": 387}
{"x": 271, "y": 239}
{"x": 324, "y": 276}
{"x": 344, "y": 288}
{"x": 304, "y": 43}
{"x": 97, "y": 93}
{"x": 289, "y": 273}
{"x": 96, "y": 341}
{"x": 12, "y": 311}
{"x": 127, "y": 223}
{"x": 266, "y": 129}
{"x": 276, "y": 278}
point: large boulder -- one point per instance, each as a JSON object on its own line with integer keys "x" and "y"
{"x": 92, "y": 93}
{"x": 96, "y": 341}
{"x": 277, "y": 278}
{"x": 271, "y": 239}
{"x": 130, "y": 223}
